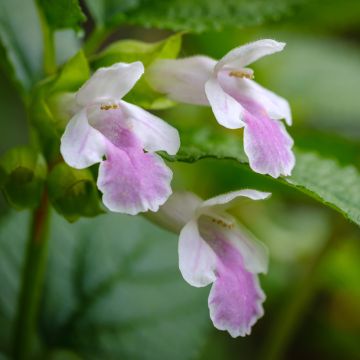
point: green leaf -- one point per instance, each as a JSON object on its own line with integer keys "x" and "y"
{"x": 112, "y": 283}
{"x": 177, "y": 15}
{"x": 22, "y": 176}
{"x": 324, "y": 179}
{"x": 72, "y": 75}
{"x": 21, "y": 43}
{"x": 73, "y": 193}
{"x": 21, "y": 39}
{"x": 61, "y": 14}
{"x": 132, "y": 50}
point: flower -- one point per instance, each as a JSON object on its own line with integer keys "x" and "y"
{"x": 214, "y": 248}
{"x": 236, "y": 99}
{"x": 130, "y": 179}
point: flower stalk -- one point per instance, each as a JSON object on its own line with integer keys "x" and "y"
{"x": 32, "y": 281}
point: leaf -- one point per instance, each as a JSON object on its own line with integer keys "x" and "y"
{"x": 61, "y": 14}
{"x": 325, "y": 179}
{"x": 112, "y": 283}
{"x": 21, "y": 43}
{"x": 177, "y": 15}
{"x": 21, "y": 39}
{"x": 132, "y": 50}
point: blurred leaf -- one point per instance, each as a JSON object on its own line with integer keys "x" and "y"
{"x": 177, "y": 15}
{"x": 72, "y": 75}
{"x": 73, "y": 192}
{"x": 22, "y": 40}
{"x": 21, "y": 43}
{"x": 62, "y": 14}
{"x": 132, "y": 50}
{"x": 112, "y": 283}
{"x": 22, "y": 176}
{"x": 321, "y": 79}
{"x": 13, "y": 127}
{"x": 12, "y": 245}
{"x": 322, "y": 178}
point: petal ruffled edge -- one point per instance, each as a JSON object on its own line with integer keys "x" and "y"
{"x": 133, "y": 182}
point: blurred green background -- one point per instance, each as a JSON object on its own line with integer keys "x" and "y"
{"x": 113, "y": 289}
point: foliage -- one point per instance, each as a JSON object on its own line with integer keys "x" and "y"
{"x": 102, "y": 297}
{"x": 112, "y": 287}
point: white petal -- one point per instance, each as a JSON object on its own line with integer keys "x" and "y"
{"x": 197, "y": 261}
{"x": 254, "y": 252}
{"x": 247, "y": 54}
{"x": 182, "y": 80}
{"x": 82, "y": 145}
{"x": 110, "y": 83}
{"x": 178, "y": 210}
{"x": 277, "y": 107}
{"x": 133, "y": 181}
{"x": 227, "y": 110}
{"x": 225, "y": 201}
{"x": 154, "y": 133}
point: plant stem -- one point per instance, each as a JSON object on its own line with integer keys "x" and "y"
{"x": 287, "y": 322}
{"x": 48, "y": 43}
{"x": 95, "y": 40}
{"x": 32, "y": 281}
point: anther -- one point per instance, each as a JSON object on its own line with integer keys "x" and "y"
{"x": 243, "y": 74}
{"x": 108, "y": 107}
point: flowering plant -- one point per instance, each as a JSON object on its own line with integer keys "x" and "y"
{"x": 109, "y": 145}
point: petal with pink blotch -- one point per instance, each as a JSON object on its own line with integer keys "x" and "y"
{"x": 133, "y": 181}
{"x": 235, "y": 299}
{"x": 267, "y": 144}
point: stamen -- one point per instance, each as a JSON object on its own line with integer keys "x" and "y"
{"x": 226, "y": 225}
{"x": 246, "y": 73}
{"x": 109, "y": 107}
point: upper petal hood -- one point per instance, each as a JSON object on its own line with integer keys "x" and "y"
{"x": 227, "y": 200}
{"x": 249, "y": 53}
{"x": 182, "y": 80}
{"x": 110, "y": 83}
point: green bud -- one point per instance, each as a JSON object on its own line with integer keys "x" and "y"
{"x": 22, "y": 176}
{"x": 73, "y": 192}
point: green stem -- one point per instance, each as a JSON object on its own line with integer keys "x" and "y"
{"x": 287, "y": 322}
{"x": 32, "y": 281}
{"x": 48, "y": 43}
{"x": 96, "y": 39}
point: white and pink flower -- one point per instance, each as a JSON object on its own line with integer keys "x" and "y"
{"x": 214, "y": 248}
{"x": 114, "y": 133}
{"x": 236, "y": 99}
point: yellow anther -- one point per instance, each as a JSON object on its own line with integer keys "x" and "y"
{"x": 242, "y": 74}
{"x": 108, "y": 107}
